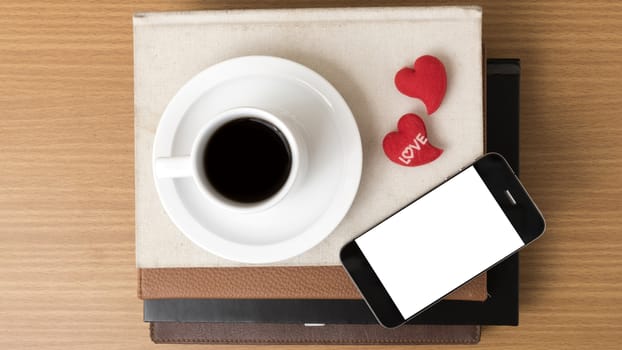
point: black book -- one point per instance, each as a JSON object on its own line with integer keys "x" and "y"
{"x": 501, "y": 307}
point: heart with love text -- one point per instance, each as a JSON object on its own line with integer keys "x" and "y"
{"x": 409, "y": 145}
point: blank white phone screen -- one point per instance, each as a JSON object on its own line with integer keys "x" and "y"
{"x": 439, "y": 242}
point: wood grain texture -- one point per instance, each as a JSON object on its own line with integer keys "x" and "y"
{"x": 67, "y": 274}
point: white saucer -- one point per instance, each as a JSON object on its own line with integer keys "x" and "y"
{"x": 314, "y": 206}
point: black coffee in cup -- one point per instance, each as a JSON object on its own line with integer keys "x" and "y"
{"x": 247, "y": 160}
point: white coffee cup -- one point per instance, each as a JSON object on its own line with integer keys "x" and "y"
{"x": 192, "y": 165}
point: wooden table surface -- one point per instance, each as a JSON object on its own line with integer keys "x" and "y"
{"x": 67, "y": 273}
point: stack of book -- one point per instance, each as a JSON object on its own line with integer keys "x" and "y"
{"x": 191, "y": 296}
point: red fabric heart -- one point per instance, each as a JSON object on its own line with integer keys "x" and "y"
{"x": 409, "y": 146}
{"x": 427, "y": 82}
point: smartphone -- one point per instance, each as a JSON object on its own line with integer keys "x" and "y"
{"x": 437, "y": 243}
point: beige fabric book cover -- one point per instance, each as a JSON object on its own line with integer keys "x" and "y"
{"x": 358, "y": 50}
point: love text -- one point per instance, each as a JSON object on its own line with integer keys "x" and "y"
{"x": 409, "y": 151}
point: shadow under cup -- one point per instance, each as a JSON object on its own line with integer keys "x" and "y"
{"x": 246, "y": 160}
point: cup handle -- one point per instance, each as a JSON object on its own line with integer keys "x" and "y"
{"x": 173, "y": 167}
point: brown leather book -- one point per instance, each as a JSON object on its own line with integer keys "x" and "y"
{"x": 301, "y": 282}
{"x": 343, "y": 334}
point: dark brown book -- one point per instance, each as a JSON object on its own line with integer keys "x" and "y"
{"x": 344, "y": 334}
